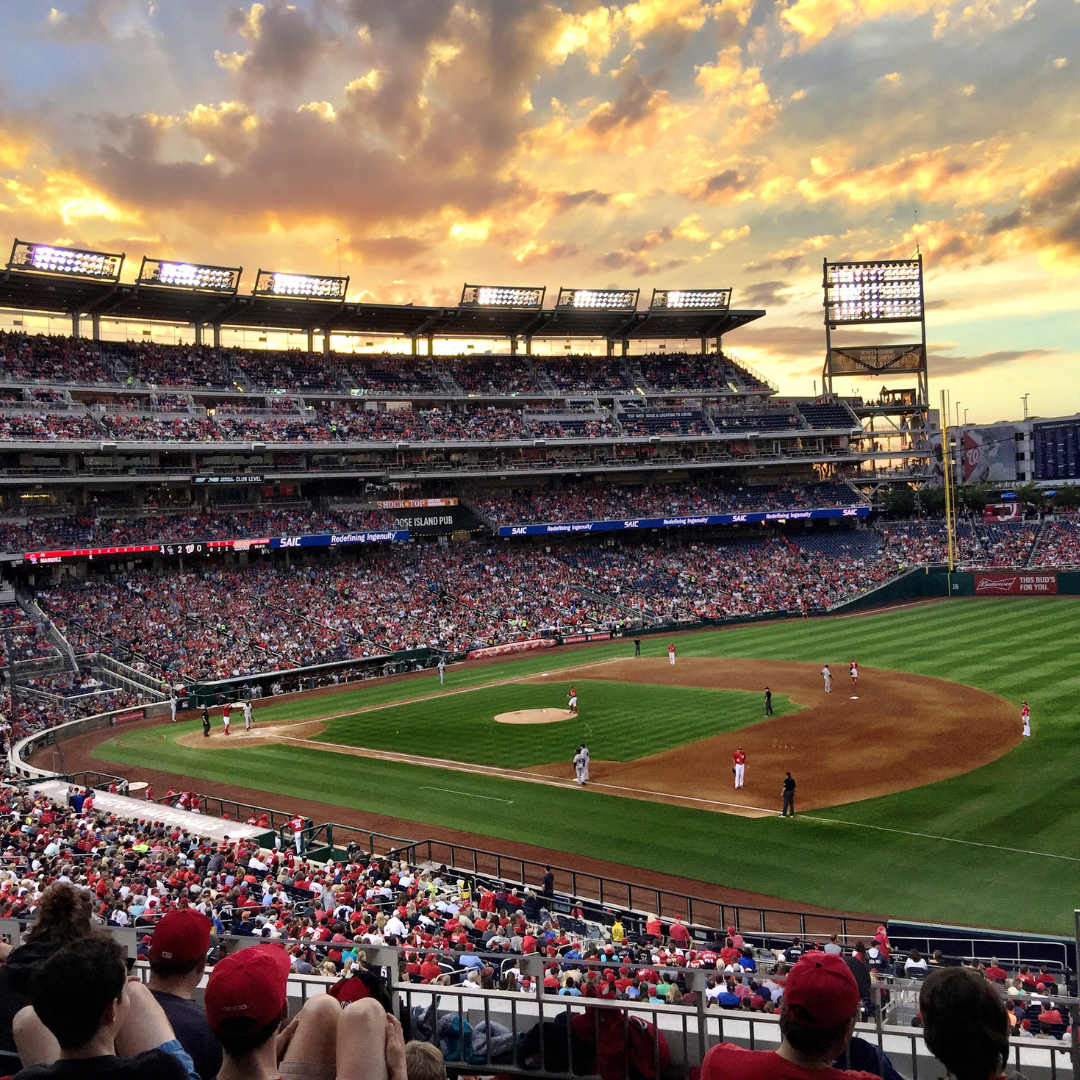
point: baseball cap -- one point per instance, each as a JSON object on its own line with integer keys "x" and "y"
{"x": 248, "y": 985}
{"x": 823, "y": 989}
{"x": 181, "y": 936}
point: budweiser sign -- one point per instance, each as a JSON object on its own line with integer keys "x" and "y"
{"x": 1015, "y": 584}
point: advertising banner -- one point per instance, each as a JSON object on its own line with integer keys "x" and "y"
{"x": 334, "y": 539}
{"x": 993, "y": 513}
{"x": 990, "y": 454}
{"x": 756, "y": 518}
{"x": 414, "y": 504}
{"x": 876, "y": 360}
{"x": 1015, "y": 584}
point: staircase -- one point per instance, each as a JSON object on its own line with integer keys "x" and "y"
{"x": 1033, "y": 556}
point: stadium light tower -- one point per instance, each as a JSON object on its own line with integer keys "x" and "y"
{"x": 598, "y": 299}
{"x": 503, "y": 296}
{"x": 183, "y": 275}
{"x": 690, "y": 300}
{"x": 71, "y": 262}
{"x": 306, "y": 286}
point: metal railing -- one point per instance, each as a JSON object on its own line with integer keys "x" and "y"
{"x": 620, "y": 895}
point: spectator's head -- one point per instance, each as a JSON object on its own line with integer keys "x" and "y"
{"x": 965, "y": 1022}
{"x": 424, "y": 1061}
{"x": 96, "y": 966}
{"x": 820, "y": 1007}
{"x": 63, "y": 915}
{"x": 246, "y": 997}
{"x": 179, "y": 946}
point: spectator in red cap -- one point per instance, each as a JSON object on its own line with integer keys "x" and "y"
{"x": 965, "y": 1023}
{"x": 817, "y": 1020}
{"x": 177, "y": 959}
{"x": 246, "y": 1004}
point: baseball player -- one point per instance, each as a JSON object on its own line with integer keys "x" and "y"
{"x": 826, "y": 674}
{"x": 585, "y": 761}
{"x": 671, "y": 654}
{"x": 579, "y": 767}
{"x": 573, "y": 700}
{"x": 442, "y": 670}
{"x": 768, "y": 702}
{"x": 739, "y": 757}
{"x": 1025, "y": 715}
{"x": 172, "y": 708}
{"x": 297, "y": 826}
{"x": 225, "y": 710}
{"x": 853, "y": 669}
{"x": 247, "y": 715}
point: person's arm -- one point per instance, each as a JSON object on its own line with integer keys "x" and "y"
{"x": 146, "y": 1027}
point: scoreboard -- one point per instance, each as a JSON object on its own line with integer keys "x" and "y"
{"x": 1057, "y": 449}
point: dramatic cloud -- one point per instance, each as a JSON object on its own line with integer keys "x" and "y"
{"x": 940, "y": 364}
{"x": 765, "y": 294}
{"x": 283, "y": 45}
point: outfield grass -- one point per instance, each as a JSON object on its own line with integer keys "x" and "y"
{"x": 618, "y": 722}
{"x": 916, "y": 854}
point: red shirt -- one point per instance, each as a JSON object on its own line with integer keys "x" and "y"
{"x": 994, "y": 973}
{"x": 729, "y": 1062}
{"x": 679, "y": 934}
{"x": 739, "y": 757}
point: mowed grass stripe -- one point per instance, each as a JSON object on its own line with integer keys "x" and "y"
{"x": 1021, "y": 648}
{"x": 618, "y": 721}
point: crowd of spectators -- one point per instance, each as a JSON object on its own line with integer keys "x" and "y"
{"x": 47, "y": 427}
{"x": 614, "y": 501}
{"x": 1059, "y": 545}
{"x": 292, "y": 370}
{"x": 683, "y": 371}
{"x": 50, "y": 532}
{"x": 40, "y": 358}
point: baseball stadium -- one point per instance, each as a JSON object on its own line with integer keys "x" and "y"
{"x": 408, "y": 680}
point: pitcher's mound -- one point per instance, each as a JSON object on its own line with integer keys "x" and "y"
{"x": 533, "y": 716}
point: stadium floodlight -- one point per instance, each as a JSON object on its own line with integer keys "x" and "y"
{"x": 181, "y": 275}
{"x": 74, "y": 262}
{"x": 509, "y": 296}
{"x": 599, "y": 299}
{"x": 308, "y": 286}
{"x": 887, "y": 291}
{"x": 691, "y": 299}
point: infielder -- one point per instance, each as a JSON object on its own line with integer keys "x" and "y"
{"x": 1025, "y": 715}
{"x": 853, "y": 668}
{"x": 442, "y": 670}
{"x": 826, "y": 674}
{"x": 671, "y": 654}
{"x": 579, "y": 767}
{"x": 573, "y": 700}
{"x": 585, "y": 758}
{"x": 225, "y": 709}
{"x": 172, "y": 708}
{"x": 247, "y": 715}
{"x": 739, "y": 757}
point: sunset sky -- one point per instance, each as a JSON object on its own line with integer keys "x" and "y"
{"x": 667, "y": 143}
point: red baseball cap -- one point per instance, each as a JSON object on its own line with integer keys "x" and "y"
{"x": 249, "y": 985}
{"x": 181, "y": 935}
{"x": 823, "y": 990}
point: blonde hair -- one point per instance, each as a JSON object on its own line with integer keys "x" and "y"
{"x": 424, "y": 1061}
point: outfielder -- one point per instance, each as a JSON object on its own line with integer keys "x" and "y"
{"x": 671, "y": 654}
{"x": 739, "y": 757}
{"x": 826, "y": 674}
{"x": 853, "y": 668}
{"x": 573, "y": 700}
{"x": 442, "y": 670}
{"x": 1025, "y": 715}
{"x": 247, "y": 715}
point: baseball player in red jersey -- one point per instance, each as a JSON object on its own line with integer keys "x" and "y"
{"x": 573, "y": 700}
{"x": 740, "y": 766}
{"x": 225, "y": 710}
{"x": 854, "y": 669}
{"x": 1025, "y": 716}
{"x": 671, "y": 654}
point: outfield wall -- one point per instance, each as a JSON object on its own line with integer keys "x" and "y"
{"x": 928, "y": 582}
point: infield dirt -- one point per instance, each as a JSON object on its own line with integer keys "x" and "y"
{"x": 890, "y": 732}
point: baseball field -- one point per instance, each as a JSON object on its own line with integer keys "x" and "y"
{"x": 917, "y": 796}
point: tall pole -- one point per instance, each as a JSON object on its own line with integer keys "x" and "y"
{"x": 946, "y": 457}
{"x": 1024, "y": 398}
{"x": 958, "y": 412}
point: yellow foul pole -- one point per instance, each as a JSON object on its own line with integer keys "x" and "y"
{"x": 950, "y": 493}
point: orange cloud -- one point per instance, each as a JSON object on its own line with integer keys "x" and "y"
{"x": 731, "y": 88}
